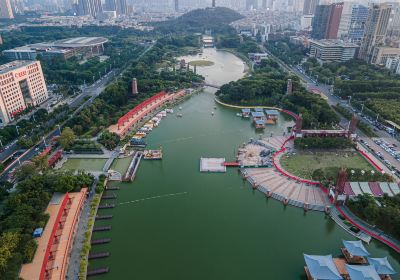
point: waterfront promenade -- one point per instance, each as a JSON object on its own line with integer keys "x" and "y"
{"x": 136, "y": 115}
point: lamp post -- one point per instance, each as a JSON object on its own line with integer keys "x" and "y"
{"x": 16, "y": 127}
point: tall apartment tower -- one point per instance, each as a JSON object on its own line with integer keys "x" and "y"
{"x": 89, "y": 7}
{"x": 325, "y": 24}
{"x": 134, "y": 87}
{"x": 176, "y": 5}
{"x": 310, "y": 6}
{"x": 375, "y": 29}
{"x": 6, "y": 11}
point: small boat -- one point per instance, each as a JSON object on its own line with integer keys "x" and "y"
{"x": 180, "y": 108}
{"x": 215, "y": 107}
{"x": 143, "y": 134}
{"x": 169, "y": 111}
{"x": 179, "y": 115}
{"x": 212, "y": 113}
{"x": 238, "y": 114}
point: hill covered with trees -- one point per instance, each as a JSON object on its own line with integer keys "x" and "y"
{"x": 217, "y": 19}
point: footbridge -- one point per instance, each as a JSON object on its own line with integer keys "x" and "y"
{"x": 211, "y": 85}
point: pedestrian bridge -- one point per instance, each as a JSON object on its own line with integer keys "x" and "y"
{"x": 211, "y": 85}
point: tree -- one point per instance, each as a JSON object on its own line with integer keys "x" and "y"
{"x": 25, "y": 171}
{"x": 8, "y": 243}
{"x": 67, "y": 137}
{"x": 41, "y": 163}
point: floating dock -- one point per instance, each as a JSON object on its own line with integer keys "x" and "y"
{"x": 104, "y": 217}
{"x": 112, "y": 196}
{"x": 98, "y": 255}
{"x": 113, "y": 188}
{"x": 153, "y": 154}
{"x": 97, "y": 271}
{"x": 133, "y": 166}
{"x": 107, "y": 228}
{"x": 106, "y": 206}
{"x": 100, "y": 241}
{"x": 212, "y": 165}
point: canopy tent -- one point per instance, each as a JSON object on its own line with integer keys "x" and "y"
{"x": 382, "y": 266}
{"x": 355, "y": 248}
{"x": 322, "y": 267}
{"x": 259, "y": 109}
{"x": 260, "y": 122}
{"x": 362, "y": 272}
{"x": 246, "y": 110}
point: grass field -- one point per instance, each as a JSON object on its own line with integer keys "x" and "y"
{"x": 304, "y": 164}
{"x": 201, "y": 63}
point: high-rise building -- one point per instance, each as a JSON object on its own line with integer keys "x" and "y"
{"x": 89, "y": 7}
{"x": 375, "y": 29}
{"x": 358, "y": 19}
{"x": 310, "y": 6}
{"x": 176, "y": 5}
{"x": 326, "y": 21}
{"x": 251, "y": 4}
{"x": 394, "y": 24}
{"x": 6, "y": 11}
{"x": 22, "y": 85}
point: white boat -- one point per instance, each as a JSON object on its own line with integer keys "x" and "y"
{"x": 238, "y": 114}
{"x": 212, "y": 113}
{"x": 180, "y": 108}
{"x": 179, "y": 115}
{"x": 169, "y": 111}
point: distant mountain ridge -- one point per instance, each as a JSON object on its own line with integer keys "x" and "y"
{"x": 199, "y": 20}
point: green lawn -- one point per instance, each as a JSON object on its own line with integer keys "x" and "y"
{"x": 304, "y": 164}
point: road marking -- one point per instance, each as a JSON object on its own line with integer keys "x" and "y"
{"x": 153, "y": 197}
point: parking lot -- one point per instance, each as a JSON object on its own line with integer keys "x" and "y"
{"x": 386, "y": 150}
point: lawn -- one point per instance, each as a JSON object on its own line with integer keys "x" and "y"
{"x": 304, "y": 164}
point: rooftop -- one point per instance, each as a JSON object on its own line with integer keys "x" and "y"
{"x": 333, "y": 43}
{"x": 13, "y": 65}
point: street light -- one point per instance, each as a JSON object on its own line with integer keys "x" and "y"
{"x": 16, "y": 127}
{"x": 44, "y": 142}
{"x": 59, "y": 130}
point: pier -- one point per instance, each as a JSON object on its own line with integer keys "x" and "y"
{"x": 104, "y": 217}
{"x": 98, "y": 255}
{"x": 232, "y": 164}
{"x": 212, "y": 165}
{"x": 100, "y": 241}
{"x": 107, "y": 165}
{"x": 113, "y": 188}
{"x": 106, "y": 206}
{"x": 112, "y": 196}
{"x": 133, "y": 166}
{"x": 107, "y": 228}
{"x": 97, "y": 271}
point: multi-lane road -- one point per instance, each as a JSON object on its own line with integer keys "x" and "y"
{"x": 89, "y": 93}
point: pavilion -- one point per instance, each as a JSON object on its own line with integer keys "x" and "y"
{"x": 260, "y": 124}
{"x": 246, "y": 112}
{"x": 382, "y": 266}
{"x": 258, "y": 110}
{"x": 362, "y": 272}
{"x": 257, "y": 116}
{"x": 321, "y": 267}
{"x": 355, "y": 252}
{"x": 272, "y": 114}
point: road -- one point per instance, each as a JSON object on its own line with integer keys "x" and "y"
{"x": 90, "y": 92}
{"x": 327, "y": 91}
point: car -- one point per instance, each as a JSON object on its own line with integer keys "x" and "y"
{"x": 37, "y": 149}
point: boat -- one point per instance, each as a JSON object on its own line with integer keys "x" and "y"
{"x": 143, "y": 134}
{"x": 212, "y": 113}
{"x": 152, "y": 154}
{"x": 238, "y": 114}
{"x": 138, "y": 136}
{"x": 171, "y": 111}
{"x": 179, "y": 115}
{"x": 138, "y": 143}
{"x": 180, "y": 108}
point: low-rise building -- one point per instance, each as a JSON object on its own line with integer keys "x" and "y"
{"x": 332, "y": 50}
{"x": 85, "y": 47}
{"x": 381, "y": 54}
{"x": 22, "y": 85}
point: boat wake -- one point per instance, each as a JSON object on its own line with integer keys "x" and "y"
{"x": 153, "y": 197}
{"x": 201, "y": 135}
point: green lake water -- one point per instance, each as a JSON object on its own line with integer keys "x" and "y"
{"x": 174, "y": 222}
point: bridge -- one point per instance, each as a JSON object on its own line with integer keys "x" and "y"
{"x": 211, "y": 85}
